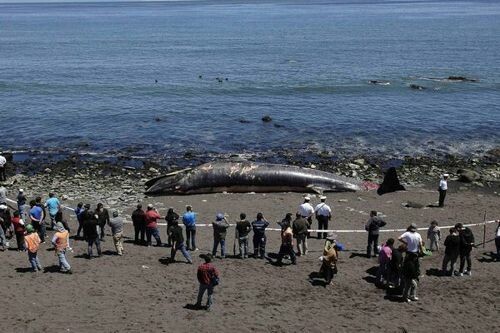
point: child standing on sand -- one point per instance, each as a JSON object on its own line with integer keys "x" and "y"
{"x": 434, "y": 236}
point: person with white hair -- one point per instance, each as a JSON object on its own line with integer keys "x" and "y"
{"x": 443, "y": 188}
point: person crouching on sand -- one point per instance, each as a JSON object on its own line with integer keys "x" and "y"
{"x": 60, "y": 240}
{"x": 178, "y": 242}
{"x": 329, "y": 258}
{"x": 32, "y": 243}
{"x": 208, "y": 277}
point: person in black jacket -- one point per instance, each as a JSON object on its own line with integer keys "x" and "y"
{"x": 396, "y": 267}
{"x": 466, "y": 244}
{"x": 90, "y": 233}
{"x": 452, "y": 244}
{"x": 372, "y": 226}
{"x": 170, "y": 218}
{"x": 139, "y": 221}
{"x": 102, "y": 218}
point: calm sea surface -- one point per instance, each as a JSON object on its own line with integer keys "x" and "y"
{"x": 141, "y": 78}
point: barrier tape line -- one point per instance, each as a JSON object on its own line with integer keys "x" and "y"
{"x": 313, "y": 230}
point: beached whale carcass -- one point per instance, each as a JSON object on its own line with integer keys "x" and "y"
{"x": 249, "y": 177}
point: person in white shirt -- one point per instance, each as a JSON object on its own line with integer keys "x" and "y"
{"x": 306, "y": 210}
{"x": 443, "y": 187}
{"x": 323, "y": 215}
{"x": 411, "y": 267}
{"x": 3, "y": 161}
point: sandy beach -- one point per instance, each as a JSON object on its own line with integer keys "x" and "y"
{"x": 139, "y": 292}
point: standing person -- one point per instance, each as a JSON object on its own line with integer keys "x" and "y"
{"x": 178, "y": 243}
{"x": 411, "y": 267}
{"x": 286, "y": 247}
{"x": 189, "y": 220}
{"x": 32, "y": 243}
{"x": 19, "y": 229}
{"x": 497, "y": 240}
{"x": 434, "y": 236}
{"x": 60, "y": 240}
{"x": 243, "y": 228}
{"x": 116, "y": 225}
{"x": 78, "y": 212}
{"x": 259, "y": 236}
{"x": 372, "y": 226}
{"x": 220, "y": 230}
{"x": 21, "y": 204}
{"x": 151, "y": 217}
{"x": 396, "y": 266}
{"x": 53, "y": 205}
{"x": 90, "y": 233}
{"x": 300, "y": 228}
{"x": 208, "y": 277}
{"x": 3, "y": 195}
{"x": 3, "y": 162}
{"x": 170, "y": 218}
{"x": 451, "y": 252}
{"x": 384, "y": 260}
{"x": 6, "y": 220}
{"x": 60, "y": 218}
{"x": 466, "y": 245}
{"x": 36, "y": 216}
{"x": 42, "y": 230}
{"x": 139, "y": 221}
{"x": 102, "y": 219}
{"x": 330, "y": 258}
{"x": 323, "y": 214}
{"x": 443, "y": 187}
{"x": 306, "y": 210}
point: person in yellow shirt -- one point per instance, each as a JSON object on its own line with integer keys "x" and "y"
{"x": 32, "y": 243}
{"x": 60, "y": 240}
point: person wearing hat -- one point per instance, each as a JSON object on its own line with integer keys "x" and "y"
{"x": 177, "y": 239}
{"x": 329, "y": 258}
{"x": 139, "y": 221}
{"x": 60, "y": 240}
{"x": 90, "y": 233}
{"x": 32, "y": 243}
{"x": 3, "y": 162}
{"x": 220, "y": 230}
{"x": 411, "y": 266}
{"x": 116, "y": 225}
{"x": 286, "y": 248}
{"x": 373, "y": 226}
{"x": 323, "y": 214}
{"x": 208, "y": 277}
{"x": 189, "y": 220}
{"x": 443, "y": 187}
{"x": 151, "y": 217}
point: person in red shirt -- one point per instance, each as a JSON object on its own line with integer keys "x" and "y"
{"x": 151, "y": 217}
{"x": 19, "y": 229}
{"x": 208, "y": 277}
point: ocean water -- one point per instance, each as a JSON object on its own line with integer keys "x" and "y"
{"x": 163, "y": 78}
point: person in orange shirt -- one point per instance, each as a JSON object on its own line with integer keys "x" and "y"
{"x": 32, "y": 243}
{"x": 60, "y": 240}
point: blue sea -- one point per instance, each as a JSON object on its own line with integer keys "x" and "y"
{"x": 165, "y": 78}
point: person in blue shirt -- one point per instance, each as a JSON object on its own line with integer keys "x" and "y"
{"x": 79, "y": 216}
{"x": 259, "y": 236}
{"x": 36, "y": 217}
{"x": 53, "y": 206}
{"x": 189, "y": 220}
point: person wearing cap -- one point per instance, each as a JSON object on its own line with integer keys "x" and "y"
{"x": 259, "y": 236}
{"x": 60, "y": 240}
{"x": 3, "y": 162}
{"x": 102, "y": 219}
{"x": 220, "y": 230}
{"x": 79, "y": 217}
{"x": 373, "y": 226}
{"x": 243, "y": 228}
{"x": 443, "y": 187}
{"x": 151, "y": 218}
{"x": 139, "y": 221}
{"x": 177, "y": 238}
{"x": 189, "y": 220}
{"x": 90, "y": 233}
{"x": 329, "y": 258}
{"x": 300, "y": 228}
{"x": 116, "y": 225}
{"x": 169, "y": 218}
{"x": 323, "y": 214}
{"x": 411, "y": 266}
{"x": 53, "y": 205}
{"x": 208, "y": 277}
{"x": 19, "y": 229}
{"x": 286, "y": 248}
{"x": 32, "y": 244}
{"x": 306, "y": 210}
{"x": 21, "y": 204}
{"x": 466, "y": 245}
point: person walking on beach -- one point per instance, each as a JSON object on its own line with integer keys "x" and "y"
{"x": 323, "y": 214}
{"x": 90, "y": 233}
{"x": 177, "y": 239}
{"x": 139, "y": 221}
{"x": 434, "y": 236}
{"x": 466, "y": 245}
{"x": 286, "y": 248}
{"x": 19, "y": 229}
{"x": 373, "y": 226}
{"x": 208, "y": 277}
{"x": 151, "y": 218}
{"x": 259, "y": 236}
{"x": 102, "y": 219}
{"x": 36, "y": 216}
{"x": 443, "y": 187}
{"x": 53, "y": 205}
{"x": 3, "y": 162}
{"x": 21, "y": 204}
{"x": 451, "y": 252}
{"x": 220, "y": 230}
{"x": 411, "y": 266}
{"x": 60, "y": 240}
{"x": 42, "y": 230}
{"x": 78, "y": 212}
{"x": 116, "y": 225}
{"x": 32, "y": 243}
{"x": 300, "y": 228}
{"x": 170, "y": 218}
{"x": 243, "y": 228}
{"x": 189, "y": 220}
